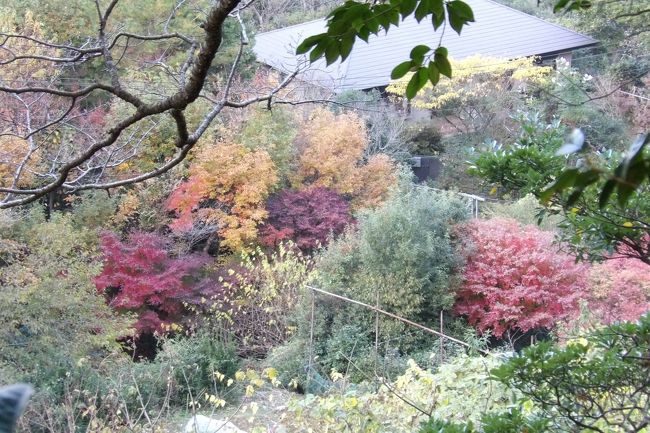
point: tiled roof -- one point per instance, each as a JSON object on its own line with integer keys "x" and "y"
{"x": 499, "y": 31}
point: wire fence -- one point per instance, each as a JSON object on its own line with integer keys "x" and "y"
{"x": 384, "y": 346}
{"x": 472, "y": 201}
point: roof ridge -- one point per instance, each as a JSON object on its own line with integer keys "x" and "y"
{"x": 291, "y": 26}
{"x": 537, "y": 18}
{"x": 507, "y": 33}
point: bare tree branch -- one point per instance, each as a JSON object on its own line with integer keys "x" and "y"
{"x": 74, "y": 168}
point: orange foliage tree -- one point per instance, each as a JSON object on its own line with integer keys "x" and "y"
{"x": 377, "y": 176}
{"x": 227, "y": 188}
{"x": 332, "y": 157}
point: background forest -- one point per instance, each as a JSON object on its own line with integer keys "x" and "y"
{"x": 199, "y": 291}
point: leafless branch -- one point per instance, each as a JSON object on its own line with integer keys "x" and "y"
{"x": 632, "y": 14}
{"x": 77, "y": 167}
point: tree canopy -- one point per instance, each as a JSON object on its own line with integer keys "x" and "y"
{"x": 42, "y": 161}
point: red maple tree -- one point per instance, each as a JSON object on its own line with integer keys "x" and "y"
{"x": 515, "y": 279}
{"x": 140, "y": 276}
{"x": 308, "y": 217}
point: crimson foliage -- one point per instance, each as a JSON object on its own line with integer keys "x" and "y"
{"x": 140, "y": 276}
{"x": 306, "y": 217}
{"x": 515, "y": 280}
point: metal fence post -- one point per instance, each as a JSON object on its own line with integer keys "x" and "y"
{"x": 442, "y": 340}
{"x": 311, "y": 339}
{"x": 376, "y": 329}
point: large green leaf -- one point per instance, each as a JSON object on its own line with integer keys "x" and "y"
{"x": 442, "y": 62}
{"x": 417, "y": 82}
{"x": 400, "y": 70}
{"x": 418, "y": 52}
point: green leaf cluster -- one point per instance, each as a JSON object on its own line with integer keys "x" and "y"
{"x": 625, "y": 179}
{"x": 354, "y": 20}
{"x": 401, "y": 251}
{"x": 528, "y": 164}
{"x": 400, "y": 256}
{"x": 54, "y": 320}
{"x": 597, "y": 383}
{"x": 461, "y": 390}
{"x": 510, "y": 421}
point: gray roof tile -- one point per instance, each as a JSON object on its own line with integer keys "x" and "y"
{"x": 499, "y": 31}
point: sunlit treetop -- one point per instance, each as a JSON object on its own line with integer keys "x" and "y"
{"x": 475, "y": 77}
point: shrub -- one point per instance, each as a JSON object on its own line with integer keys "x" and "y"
{"x": 514, "y": 279}
{"x": 619, "y": 290}
{"x": 460, "y": 391}
{"x": 258, "y": 298}
{"x": 513, "y": 420}
{"x": 291, "y": 360}
{"x": 399, "y": 256}
{"x": 349, "y": 351}
{"x": 193, "y": 361}
{"x": 527, "y": 211}
{"x": 402, "y": 250}
{"x": 595, "y": 383}
{"x": 597, "y": 233}
{"x": 54, "y": 321}
{"x": 119, "y": 394}
{"x": 139, "y": 276}
{"x": 308, "y": 218}
{"x": 93, "y": 209}
{"x": 528, "y": 164}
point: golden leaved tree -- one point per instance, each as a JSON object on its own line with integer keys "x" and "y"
{"x": 17, "y": 159}
{"x": 20, "y": 112}
{"x": 480, "y": 91}
{"x": 332, "y": 157}
{"x": 227, "y": 188}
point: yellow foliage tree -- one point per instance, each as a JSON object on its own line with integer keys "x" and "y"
{"x": 377, "y": 176}
{"x": 24, "y": 69}
{"x": 479, "y": 85}
{"x": 477, "y": 77}
{"x": 228, "y": 188}
{"x": 332, "y": 158}
{"x": 333, "y": 146}
{"x": 21, "y": 113}
{"x": 18, "y": 158}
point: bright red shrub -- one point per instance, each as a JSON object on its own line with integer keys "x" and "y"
{"x": 306, "y": 217}
{"x": 139, "y": 276}
{"x": 619, "y": 290}
{"x": 515, "y": 279}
